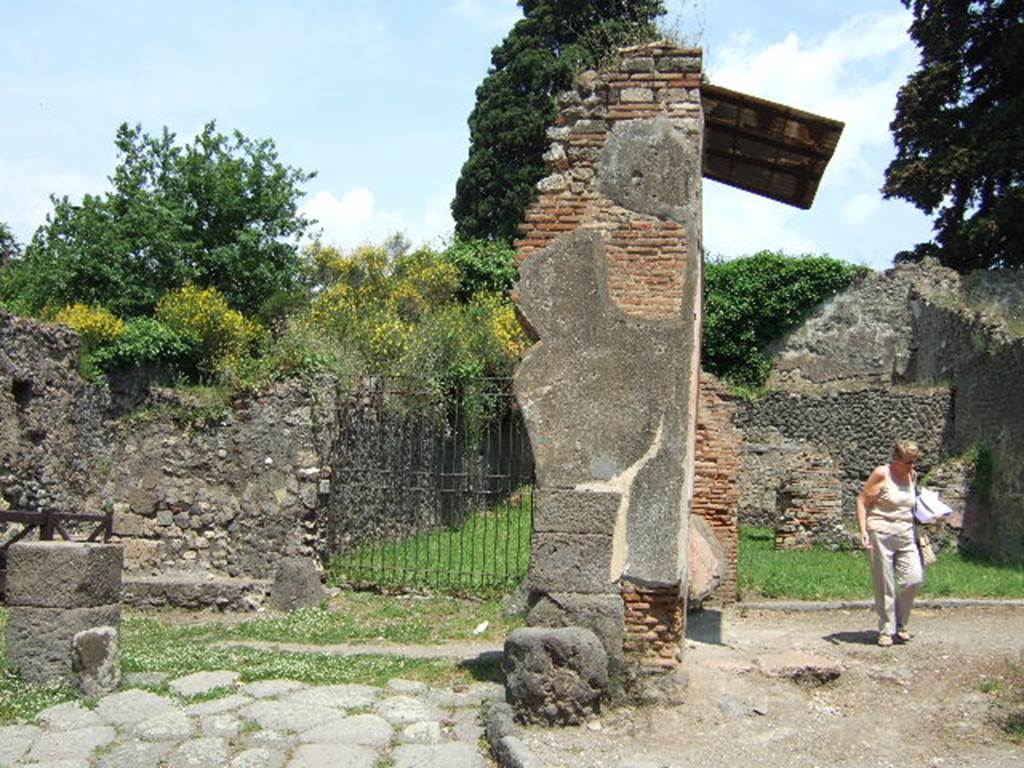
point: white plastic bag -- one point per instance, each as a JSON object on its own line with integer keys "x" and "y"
{"x": 929, "y": 507}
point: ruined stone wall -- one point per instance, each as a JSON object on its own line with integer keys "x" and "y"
{"x": 610, "y": 284}
{"x": 51, "y": 420}
{"x": 986, "y": 367}
{"x": 716, "y": 490}
{"x": 226, "y": 499}
{"x": 920, "y": 325}
{"x": 856, "y": 429}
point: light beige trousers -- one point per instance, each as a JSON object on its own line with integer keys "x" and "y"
{"x": 896, "y": 568}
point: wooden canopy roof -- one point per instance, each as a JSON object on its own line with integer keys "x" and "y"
{"x": 764, "y": 147}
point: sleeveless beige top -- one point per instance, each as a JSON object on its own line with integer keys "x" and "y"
{"x": 893, "y": 510}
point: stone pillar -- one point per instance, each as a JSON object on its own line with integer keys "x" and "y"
{"x": 610, "y": 284}
{"x": 56, "y": 589}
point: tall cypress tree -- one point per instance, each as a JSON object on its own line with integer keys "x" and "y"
{"x": 959, "y": 131}
{"x": 516, "y": 102}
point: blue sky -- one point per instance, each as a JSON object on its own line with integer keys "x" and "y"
{"x": 374, "y": 96}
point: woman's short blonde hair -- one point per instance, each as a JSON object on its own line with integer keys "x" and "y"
{"x": 906, "y": 450}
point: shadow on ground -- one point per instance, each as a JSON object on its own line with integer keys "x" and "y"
{"x": 705, "y": 626}
{"x": 859, "y": 637}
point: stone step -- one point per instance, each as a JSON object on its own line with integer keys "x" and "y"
{"x": 198, "y": 591}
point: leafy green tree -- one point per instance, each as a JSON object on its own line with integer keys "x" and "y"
{"x": 958, "y": 134}
{"x": 515, "y": 102}
{"x": 484, "y": 266}
{"x": 751, "y": 301}
{"x": 220, "y": 212}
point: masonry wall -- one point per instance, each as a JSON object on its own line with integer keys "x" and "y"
{"x": 986, "y": 367}
{"x": 716, "y": 491}
{"x": 857, "y": 429}
{"x": 51, "y": 420}
{"x": 888, "y": 340}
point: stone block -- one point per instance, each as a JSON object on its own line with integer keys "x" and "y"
{"x": 555, "y": 676}
{"x": 142, "y": 555}
{"x": 39, "y": 639}
{"x": 566, "y": 511}
{"x": 96, "y": 661}
{"x": 604, "y": 615}
{"x": 297, "y": 585}
{"x": 62, "y": 574}
{"x": 651, "y": 167}
{"x": 566, "y": 562}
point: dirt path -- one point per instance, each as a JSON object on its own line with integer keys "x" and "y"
{"x": 919, "y": 705}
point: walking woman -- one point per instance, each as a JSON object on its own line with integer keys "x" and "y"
{"x": 885, "y": 514}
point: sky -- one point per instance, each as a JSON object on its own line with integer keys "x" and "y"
{"x": 373, "y": 95}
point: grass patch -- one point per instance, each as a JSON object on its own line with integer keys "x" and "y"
{"x": 151, "y": 646}
{"x": 486, "y": 554}
{"x": 822, "y": 574}
{"x": 361, "y": 617}
{"x": 152, "y": 642}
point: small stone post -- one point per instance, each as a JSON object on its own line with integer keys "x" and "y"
{"x": 55, "y": 590}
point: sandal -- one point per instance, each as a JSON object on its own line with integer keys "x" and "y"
{"x": 902, "y": 636}
{"x": 884, "y": 640}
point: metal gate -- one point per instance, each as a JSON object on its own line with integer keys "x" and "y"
{"x": 430, "y": 490}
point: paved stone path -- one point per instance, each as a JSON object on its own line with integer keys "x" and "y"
{"x": 265, "y": 724}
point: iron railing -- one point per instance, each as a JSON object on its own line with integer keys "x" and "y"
{"x": 429, "y": 489}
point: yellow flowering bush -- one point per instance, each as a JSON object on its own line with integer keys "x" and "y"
{"x": 94, "y": 325}
{"x": 220, "y": 335}
{"x": 422, "y": 281}
{"x": 505, "y": 325}
{"x": 391, "y": 311}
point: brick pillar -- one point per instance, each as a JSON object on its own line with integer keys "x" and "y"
{"x": 716, "y": 492}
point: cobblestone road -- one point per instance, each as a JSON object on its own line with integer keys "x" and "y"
{"x": 265, "y": 724}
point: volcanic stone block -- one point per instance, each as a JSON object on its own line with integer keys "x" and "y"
{"x": 555, "y": 676}
{"x": 565, "y": 511}
{"x": 651, "y": 166}
{"x": 96, "y": 661}
{"x": 604, "y": 615}
{"x": 39, "y": 639}
{"x": 297, "y": 585}
{"x": 594, "y": 391}
{"x": 62, "y": 574}
{"x": 566, "y": 562}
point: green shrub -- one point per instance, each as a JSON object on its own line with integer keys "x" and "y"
{"x": 483, "y": 265}
{"x": 752, "y": 301}
{"x": 145, "y": 341}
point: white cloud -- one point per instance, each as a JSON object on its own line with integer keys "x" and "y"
{"x": 738, "y": 223}
{"x": 492, "y": 14}
{"x": 860, "y": 208}
{"x": 355, "y": 220}
{"x": 25, "y": 200}
{"x": 852, "y": 74}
